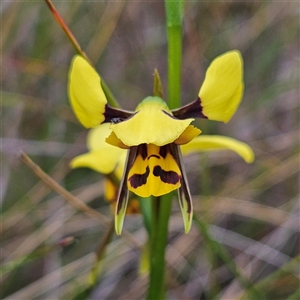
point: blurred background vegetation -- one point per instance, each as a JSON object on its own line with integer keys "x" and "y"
{"x": 250, "y": 211}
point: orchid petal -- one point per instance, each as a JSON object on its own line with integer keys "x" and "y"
{"x": 85, "y": 93}
{"x": 190, "y": 133}
{"x": 184, "y": 194}
{"x": 122, "y": 200}
{"x": 102, "y": 160}
{"x": 96, "y": 137}
{"x": 102, "y": 156}
{"x": 222, "y": 89}
{"x": 216, "y": 142}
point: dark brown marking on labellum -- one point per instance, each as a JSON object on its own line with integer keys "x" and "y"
{"x": 142, "y": 151}
{"x": 170, "y": 177}
{"x": 163, "y": 151}
{"x": 137, "y": 180}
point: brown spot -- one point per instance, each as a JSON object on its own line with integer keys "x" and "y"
{"x": 142, "y": 151}
{"x": 163, "y": 151}
{"x": 170, "y": 177}
{"x": 137, "y": 180}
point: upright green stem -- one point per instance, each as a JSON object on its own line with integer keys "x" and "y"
{"x": 174, "y": 54}
{"x": 159, "y": 238}
{"x": 174, "y": 12}
{"x": 162, "y": 206}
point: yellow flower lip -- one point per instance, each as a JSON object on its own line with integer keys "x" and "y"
{"x": 153, "y": 123}
{"x": 154, "y": 172}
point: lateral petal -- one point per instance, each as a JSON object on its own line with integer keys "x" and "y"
{"x": 222, "y": 89}
{"x": 85, "y": 93}
{"x": 217, "y": 142}
{"x": 184, "y": 194}
{"x": 153, "y": 123}
{"x": 122, "y": 200}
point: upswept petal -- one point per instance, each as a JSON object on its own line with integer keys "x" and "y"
{"x": 85, "y": 93}
{"x": 153, "y": 123}
{"x": 222, "y": 89}
{"x": 216, "y": 142}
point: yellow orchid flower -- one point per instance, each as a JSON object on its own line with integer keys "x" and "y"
{"x": 105, "y": 158}
{"x": 153, "y": 133}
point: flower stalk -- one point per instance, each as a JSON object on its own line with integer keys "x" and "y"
{"x": 162, "y": 205}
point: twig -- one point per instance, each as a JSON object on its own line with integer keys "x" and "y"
{"x": 73, "y": 200}
{"x": 110, "y": 97}
{"x": 66, "y": 29}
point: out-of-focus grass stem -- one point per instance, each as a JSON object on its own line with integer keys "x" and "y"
{"x": 110, "y": 98}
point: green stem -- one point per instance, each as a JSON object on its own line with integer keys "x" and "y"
{"x": 145, "y": 205}
{"x": 159, "y": 237}
{"x": 174, "y": 12}
{"x": 162, "y": 206}
{"x": 174, "y": 66}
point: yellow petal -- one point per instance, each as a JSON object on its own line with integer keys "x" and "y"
{"x": 154, "y": 171}
{"x": 222, "y": 89}
{"x": 102, "y": 160}
{"x": 85, "y": 93}
{"x": 190, "y": 133}
{"x": 115, "y": 141}
{"x": 96, "y": 137}
{"x": 152, "y": 123}
{"x": 216, "y": 142}
{"x": 102, "y": 157}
